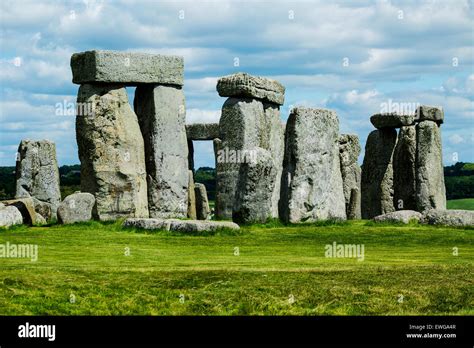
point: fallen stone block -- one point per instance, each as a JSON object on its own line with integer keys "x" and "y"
{"x": 399, "y": 216}
{"x": 76, "y": 208}
{"x": 26, "y": 207}
{"x": 180, "y": 225}
{"x": 461, "y": 218}
{"x": 126, "y": 68}
{"x": 10, "y": 216}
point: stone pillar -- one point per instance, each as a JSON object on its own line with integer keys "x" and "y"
{"x": 253, "y": 198}
{"x": 162, "y": 118}
{"x": 202, "y": 203}
{"x": 276, "y": 147}
{"x": 349, "y": 150}
{"x": 239, "y": 132}
{"x": 377, "y": 173}
{"x": 37, "y": 175}
{"x": 191, "y": 210}
{"x": 250, "y": 120}
{"x": 312, "y": 186}
{"x": 111, "y": 146}
{"x": 111, "y": 152}
{"x": 404, "y": 178}
{"x": 430, "y": 188}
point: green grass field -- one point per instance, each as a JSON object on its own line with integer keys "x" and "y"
{"x": 269, "y": 269}
{"x": 466, "y": 203}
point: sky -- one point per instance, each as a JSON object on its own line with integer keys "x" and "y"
{"x": 354, "y": 57}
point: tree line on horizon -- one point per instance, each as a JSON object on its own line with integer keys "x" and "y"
{"x": 459, "y": 180}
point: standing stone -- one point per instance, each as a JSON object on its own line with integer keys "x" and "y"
{"x": 349, "y": 150}
{"x": 202, "y": 204}
{"x": 190, "y": 155}
{"x": 239, "y": 125}
{"x": 76, "y": 208}
{"x": 37, "y": 173}
{"x": 404, "y": 178}
{"x": 274, "y": 132}
{"x": 430, "y": 189}
{"x": 161, "y": 114}
{"x": 377, "y": 173}
{"x": 191, "y": 197}
{"x": 312, "y": 182}
{"x": 253, "y": 203}
{"x": 111, "y": 152}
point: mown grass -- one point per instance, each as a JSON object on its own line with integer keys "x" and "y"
{"x": 269, "y": 269}
{"x": 465, "y": 203}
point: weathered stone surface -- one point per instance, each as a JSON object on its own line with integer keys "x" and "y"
{"x": 403, "y": 216}
{"x": 76, "y": 208}
{"x": 180, "y": 225}
{"x": 202, "y": 131}
{"x": 312, "y": 181}
{"x": 161, "y": 114}
{"x": 462, "y": 218}
{"x": 126, "y": 68}
{"x": 26, "y": 207}
{"x": 191, "y": 197}
{"x": 111, "y": 152}
{"x": 37, "y": 173}
{"x": 202, "y": 204}
{"x": 245, "y": 85}
{"x": 391, "y": 120}
{"x": 253, "y": 199}
{"x": 44, "y": 209}
{"x": 40, "y": 220}
{"x": 190, "y": 155}
{"x": 429, "y": 113}
{"x": 349, "y": 150}
{"x": 404, "y": 175}
{"x": 9, "y": 216}
{"x": 239, "y": 128}
{"x": 273, "y": 139}
{"x": 377, "y": 173}
{"x": 430, "y": 189}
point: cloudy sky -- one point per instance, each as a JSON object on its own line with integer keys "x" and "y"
{"x": 350, "y": 56}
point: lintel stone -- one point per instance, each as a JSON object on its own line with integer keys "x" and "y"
{"x": 126, "y": 67}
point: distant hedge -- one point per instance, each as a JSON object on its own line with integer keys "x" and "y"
{"x": 459, "y": 180}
